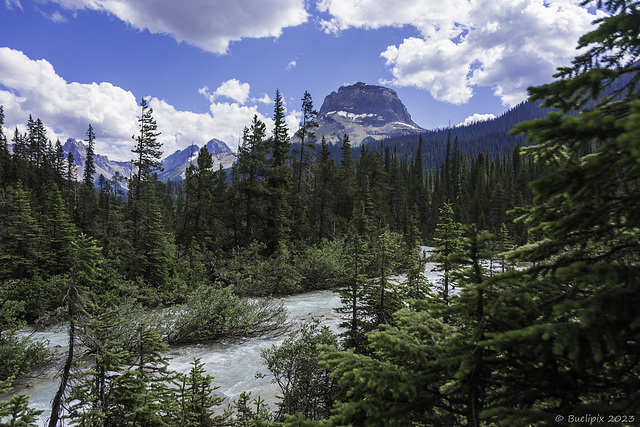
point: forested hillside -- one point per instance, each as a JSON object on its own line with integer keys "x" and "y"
{"x": 533, "y": 321}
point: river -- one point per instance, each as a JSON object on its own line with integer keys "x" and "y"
{"x": 234, "y": 365}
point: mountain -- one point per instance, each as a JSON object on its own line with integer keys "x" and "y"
{"x": 176, "y": 164}
{"x": 103, "y": 165}
{"x": 364, "y": 112}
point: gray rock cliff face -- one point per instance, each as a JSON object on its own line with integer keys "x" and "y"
{"x": 362, "y": 110}
{"x": 362, "y": 98}
{"x": 176, "y": 164}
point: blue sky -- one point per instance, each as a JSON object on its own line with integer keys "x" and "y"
{"x": 208, "y": 66}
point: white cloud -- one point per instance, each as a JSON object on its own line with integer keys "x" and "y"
{"x": 503, "y": 44}
{"x": 56, "y": 16}
{"x": 33, "y": 87}
{"x": 11, "y": 3}
{"x": 292, "y": 65}
{"x": 264, "y": 99}
{"x": 231, "y": 89}
{"x": 477, "y": 117}
{"x": 208, "y": 24}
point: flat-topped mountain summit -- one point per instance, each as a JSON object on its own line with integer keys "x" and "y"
{"x": 362, "y": 110}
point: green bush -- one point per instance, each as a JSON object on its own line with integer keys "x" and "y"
{"x": 323, "y": 266}
{"x": 19, "y": 356}
{"x": 213, "y": 313}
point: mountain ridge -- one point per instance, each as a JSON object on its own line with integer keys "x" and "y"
{"x": 174, "y": 165}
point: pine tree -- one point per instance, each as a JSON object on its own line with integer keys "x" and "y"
{"x": 16, "y": 412}
{"x": 307, "y": 137}
{"x": 74, "y": 303}
{"x": 324, "y": 192}
{"x": 88, "y": 201}
{"x": 58, "y": 159}
{"x": 89, "y": 166}
{"x": 572, "y": 342}
{"x": 353, "y": 293}
{"x": 252, "y": 162}
{"x": 382, "y": 298}
{"x": 196, "y": 400}
{"x": 5, "y": 157}
{"x": 149, "y": 153}
{"x": 346, "y": 191}
{"x": 21, "y": 236}
{"x": 281, "y": 144}
{"x": 91, "y": 394}
{"x": 397, "y": 386}
{"x": 468, "y": 365}
{"x": 59, "y": 232}
{"x": 148, "y": 149}
{"x": 153, "y": 258}
{"x": 447, "y": 241}
{"x": 279, "y": 178}
{"x": 198, "y": 200}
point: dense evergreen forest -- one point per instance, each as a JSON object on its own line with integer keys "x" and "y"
{"x": 533, "y": 322}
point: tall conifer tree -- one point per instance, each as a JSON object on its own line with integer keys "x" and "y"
{"x": 574, "y": 337}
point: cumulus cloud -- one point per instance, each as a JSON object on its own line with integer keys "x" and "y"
{"x": 208, "y": 24}
{"x": 291, "y": 65}
{"x": 477, "y": 117}
{"x": 32, "y": 87}
{"x": 231, "y": 89}
{"x": 503, "y": 44}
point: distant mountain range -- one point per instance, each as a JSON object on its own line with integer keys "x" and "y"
{"x": 103, "y": 165}
{"x": 368, "y": 114}
{"x": 174, "y": 165}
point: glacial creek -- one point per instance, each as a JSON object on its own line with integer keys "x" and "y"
{"x": 233, "y": 365}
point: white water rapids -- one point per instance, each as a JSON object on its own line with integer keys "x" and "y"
{"x": 233, "y": 365}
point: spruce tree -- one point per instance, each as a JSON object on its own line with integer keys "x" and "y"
{"x": 572, "y": 344}
{"x": 89, "y": 166}
{"x": 346, "y": 191}
{"x": 353, "y": 291}
{"x": 280, "y": 133}
{"x": 196, "y": 400}
{"x": 251, "y": 164}
{"x": 147, "y": 147}
{"x": 447, "y": 237}
{"x": 467, "y": 364}
{"x": 73, "y": 291}
{"x": 5, "y": 157}
{"x": 88, "y": 201}
{"x": 307, "y": 137}
{"x": 149, "y": 152}
{"x": 326, "y": 183}
{"x": 21, "y": 237}
{"x": 279, "y": 178}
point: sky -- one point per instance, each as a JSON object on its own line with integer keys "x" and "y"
{"x": 208, "y": 66}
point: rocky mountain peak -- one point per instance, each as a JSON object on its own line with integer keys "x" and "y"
{"x": 362, "y": 110}
{"x": 365, "y": 99}
{"x": 215, "y": 146}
